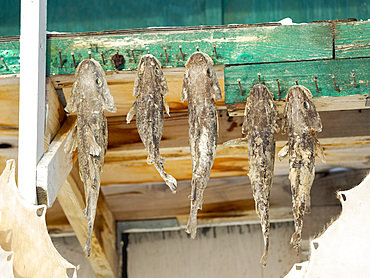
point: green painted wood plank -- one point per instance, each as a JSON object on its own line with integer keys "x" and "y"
{"x": 10, "y": 52}
{"x": 233, "y": 46}
{"x": 305, "y": 72}
{"x": 352, "y": 39}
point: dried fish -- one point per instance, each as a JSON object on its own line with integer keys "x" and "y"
{"x": 200, "y": 89}
{"x": 301, "y": 121}
{"x": 259, "y": 126}
{"x": 90, "y": 96}
{"x": 149, "y": 89}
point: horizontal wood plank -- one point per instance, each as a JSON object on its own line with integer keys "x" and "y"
{"x": 352, "y": 39}
{"x": 303, "y": 73}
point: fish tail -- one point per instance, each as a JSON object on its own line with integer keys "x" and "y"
{"x": 264, "y": 257}
{"x": 263, "y": 211}
{"x": 296, "y": 239}
{"x": 191, "y": 227}
{"x": 168, "y": 179}
{"x": 87, "y": 248}
{"x": 90, "y": 212}
{"x": 171, "y": 182}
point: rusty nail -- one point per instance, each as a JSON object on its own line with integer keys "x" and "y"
{"x": 73, "y": 58}
{"x": 165, "y": 52}
{"x": 133, "y": 55}
{"x": 147, "y": 49}
{"x": 60, "y": 58}
{"x": 240, "y": 86}
{"x": 278, "y": 81}
{"x": 354, "y": 80}
{"x": 197, "y": 47}
{"x": 89, "y": 54}
{"x": 296, "y": 81}
{"x": 335, "y": 85}
{"x": 102, "y": 57}
{"x": 2, "y": 59}
{"x": 317, "y": 87}
{"x": 259, "y": 77}
{"x": 214, "y": 47}
{"x": 182, "y": 55}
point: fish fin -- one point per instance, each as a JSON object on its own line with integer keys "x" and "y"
{"x": 163, "y": 84}
{"x": 319, "y": 150}
{"x": 162, "y": 159}
{"x": 185, "y": 87}
{"x": 149, "y": 160}
{"x": 131, "y": 113}
{"x": 71, "y": 141}
{"x": 236, "y": 142}
{"x": 95, "y": 149}
{"x": 216, "y": 90}
{"x": 74, "y": 98}
{"x": 284, "y": 152}
{"x": 166, "y": 107}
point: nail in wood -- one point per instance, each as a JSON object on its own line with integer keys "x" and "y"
{"x": 102, "y": 57}
{"x": 2, "y": 59}
{"x": 259, "y": 77}
{"x": 278, "y": 81}
{"x": 147, "y": 49}
{"x": 60, "y": 58}
{"x": 73, "y": 58}
{"x": 133, "y": 55}
{"x": 182, "y": 55}
{"x": 317, "y": 87}
{"x": 214, "y": 47}
{"x": 165, "y": 52}
{"x": 335, "y": 85}
{"x": 240, "y": 87}
{"x": 89, "y": 54}
{"x": 197, "y": 47}
{"x": 354, "y": 80}
{"x": 296, "y": 81}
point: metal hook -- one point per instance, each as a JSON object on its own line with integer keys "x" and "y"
{"x": 133, "y": 55}
{"x": 89, "y": 54}
{"x": 240, "y": 87}
{"x": 2, "y": 59}
{"x": 214, "y": 47}
{"x": 354, "y": 80}
{"x": 182, "y": 55}
{"x": 60, "y": 58}
{"x": 296, "y": 81}
{"x": 278, "y": 82}
{"x": 147, "y": 49}
{"x": 317, "y": 87}
{"x": 335, "y": 85}
{"x": 102, "y": 57}
{"x": 73, "y": 58}
{"x": 165, "y": 52}
{"x": 259, "y": 77}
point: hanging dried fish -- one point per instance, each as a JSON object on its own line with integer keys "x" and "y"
{"x": 150, "y": 87}
{"x": 301, "y": 121}
{"x": 200, "y": 89}
{"x": 260, "y": 123}
{"x": 90, "y": 96}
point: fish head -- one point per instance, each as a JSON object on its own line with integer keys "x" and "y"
{"x": 200, "y": 67}
{"x": 301, "y": 110}
{"x": 150, "y": 72}
{"x": 90, "y": 86}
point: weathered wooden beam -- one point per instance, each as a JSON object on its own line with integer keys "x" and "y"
{"x": 104, "y": 258}
{"x": 335, "y": 90}
{"x": 56, "y": 164}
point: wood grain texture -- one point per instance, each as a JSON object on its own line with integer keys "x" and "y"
{"x": 352, "y": 39}
{"x": 103, "y": 258}
{"x": 304, "y": 72}
{"x": 234, "y": 44}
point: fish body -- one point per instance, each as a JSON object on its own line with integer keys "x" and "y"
{"x": 200, "y": 89}
{"x": 301, "y": 121}
{"x": 89, "y": 97}
{"x": 149, "y": 89}
{"x": 259, "y": 126}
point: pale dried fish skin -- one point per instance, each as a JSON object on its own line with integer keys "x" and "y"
{"x": 259, "y": 126}
{"x": 149, "y": 89}
{"x": 301, "y": 121}
{"x": 200, "y": 89}
{"x": 89, "y": 97}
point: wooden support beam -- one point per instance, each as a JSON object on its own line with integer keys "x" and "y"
{"x": 56, "y": 164}
{"x": 32, "y": 94}
{"x": 104, "y": 258}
